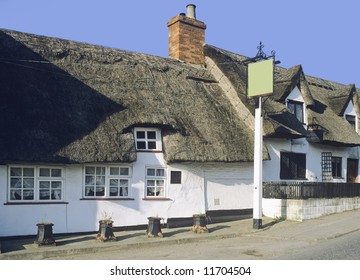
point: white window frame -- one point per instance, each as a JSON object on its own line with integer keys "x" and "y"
{"x": 146, "y": 140}
{"x": 109, "y": 179}
{"x": 37, "y": 182}
{"x": 155, "y": 183}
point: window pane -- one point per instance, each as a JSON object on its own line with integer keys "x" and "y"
{"x": 100, "y": 170}
{"x": 160, "y": 172}
{"x": 114, "y": 191}
{"x": 28, "y": 172}
{"x": 150, "y": 183}
{"x": 291, "y": 107}
{"x": 44, "y": 194}
{"x": 100, "y": 180}
{"x": 299, "y": 112}
{"x": 15, "y": 183}
{"x": 150, "y": 191}
{"x": 15, "y": 172}
{"x": 140, "y": 134}
{"x": 114, "y": 182}
{"x": 56, "y": 185}
{"x": 56, "y": 172}
{"x": 152, "y": 145}
{"x": 150, "y": 172}
{"x": 44, "y": 185}
{"x": 124, "y": 171}
{"x": 44, "y": 172}
{"x": 28, "y": 195}
{"x": 89, "y": 180}
{"x": 160, "y": 183}
{"x": 90, "y": 170}
{"x": 160, "y": 191}
{"x": 89, "y": 191}
{"x": 114, "y": 171}
{"x": 141, "y": 145}
{"x": 124, "y": 191}
{"x": 15, "y": 194}
{"x": 151, "y": 135}
{"x": 100, "y": 191}
{"x": 29, "y": 183}
{"x": 124, "y": 183}
{"x": 56, "y": 194}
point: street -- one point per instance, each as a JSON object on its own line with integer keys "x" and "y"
{"x": 248, "y": 247}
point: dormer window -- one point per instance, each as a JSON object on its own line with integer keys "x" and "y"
{"x": 296, "y": 108}
{"x": 351, "y": 120}
{"x": 148, "y": 139}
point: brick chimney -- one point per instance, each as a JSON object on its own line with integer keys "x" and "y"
{"x": 187, "y": 37}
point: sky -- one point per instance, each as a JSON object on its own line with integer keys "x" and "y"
{"x": 322, "y": 36}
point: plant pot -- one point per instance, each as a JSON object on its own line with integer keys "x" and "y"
{"x": 45, "y": 235}
{"x": 154, "y": 227}
{"x": 199, "y": 224}
{"x": 106, "y": 232}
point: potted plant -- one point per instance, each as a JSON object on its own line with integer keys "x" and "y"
{"x": 106, "y": 232}
{"x": 44, "y": 235}
{"x": 199, "y": 223}
{"x": 154, "y": 227}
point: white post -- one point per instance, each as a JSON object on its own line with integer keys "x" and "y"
{"x": 258, "y": 147}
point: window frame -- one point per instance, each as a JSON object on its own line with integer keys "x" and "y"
{"x": 108, "y": 177}
{"x": 37, "y": 180}
{"x": 352, "y": 122}
{"x": 148, "y": 140}
{"x": 297, "y": 104}
{"x": 294, "y": 163}
{"x": 156, "y": 178}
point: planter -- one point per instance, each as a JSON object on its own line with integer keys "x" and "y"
{"x": 199, "y": 224}
{"x": 45, "y": 235}
{"x": 154, "y": 227}
{"x": 106, "y": 232}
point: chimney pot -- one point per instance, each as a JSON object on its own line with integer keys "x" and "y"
{"x": 191, "y": 11}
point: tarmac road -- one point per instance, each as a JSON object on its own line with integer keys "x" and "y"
{"x": 330, "y": 237}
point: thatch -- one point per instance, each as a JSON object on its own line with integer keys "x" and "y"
{"x": 325, "y": 102}
{"x": 69, "y": 102}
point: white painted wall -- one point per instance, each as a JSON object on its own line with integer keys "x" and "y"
{"x": 230, "y": 183}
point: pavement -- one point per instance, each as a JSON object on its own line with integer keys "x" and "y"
{"x": 323, "y": 228}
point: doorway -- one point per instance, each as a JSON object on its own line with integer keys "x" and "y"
{"x": 352, "y": 170}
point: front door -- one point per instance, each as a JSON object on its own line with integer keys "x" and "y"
{"x": 352, "y": 170}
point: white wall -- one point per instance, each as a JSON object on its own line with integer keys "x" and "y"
{"x": 184, "y": 200}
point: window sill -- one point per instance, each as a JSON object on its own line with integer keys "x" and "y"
{"x": 35, "y": 203}
{"x": 106, "y": 198}
{"x": 156, "y": 198}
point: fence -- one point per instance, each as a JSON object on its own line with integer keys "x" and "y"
{"x": 306, "y": 190}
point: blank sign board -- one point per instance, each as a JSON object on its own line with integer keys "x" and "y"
{"x": 260, "y": 78}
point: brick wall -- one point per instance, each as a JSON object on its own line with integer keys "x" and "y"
{"x": 186, "y": 39}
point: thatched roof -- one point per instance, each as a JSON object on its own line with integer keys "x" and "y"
{"x": 325, "y": 102}
{"x": 69, "y": 102}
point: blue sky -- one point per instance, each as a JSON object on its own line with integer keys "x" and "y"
{"x": 322, "y": 36}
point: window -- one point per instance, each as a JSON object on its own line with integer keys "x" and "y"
{"x": 148, "y": 139}
{"x": 175, "y": 177}
{"x": 107, "y": 181}
{"x": 326, "y": 164}
{"x": 155, "y": 182}
{"x": 293, "y": 166}
{"x": 296, "y": 108}
{"x": 336, "y": 167}
{"x": 351, "y": 120}
{"x": 35, "y": 184}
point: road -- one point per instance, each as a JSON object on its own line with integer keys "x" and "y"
{"x": 248, "y": 247}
